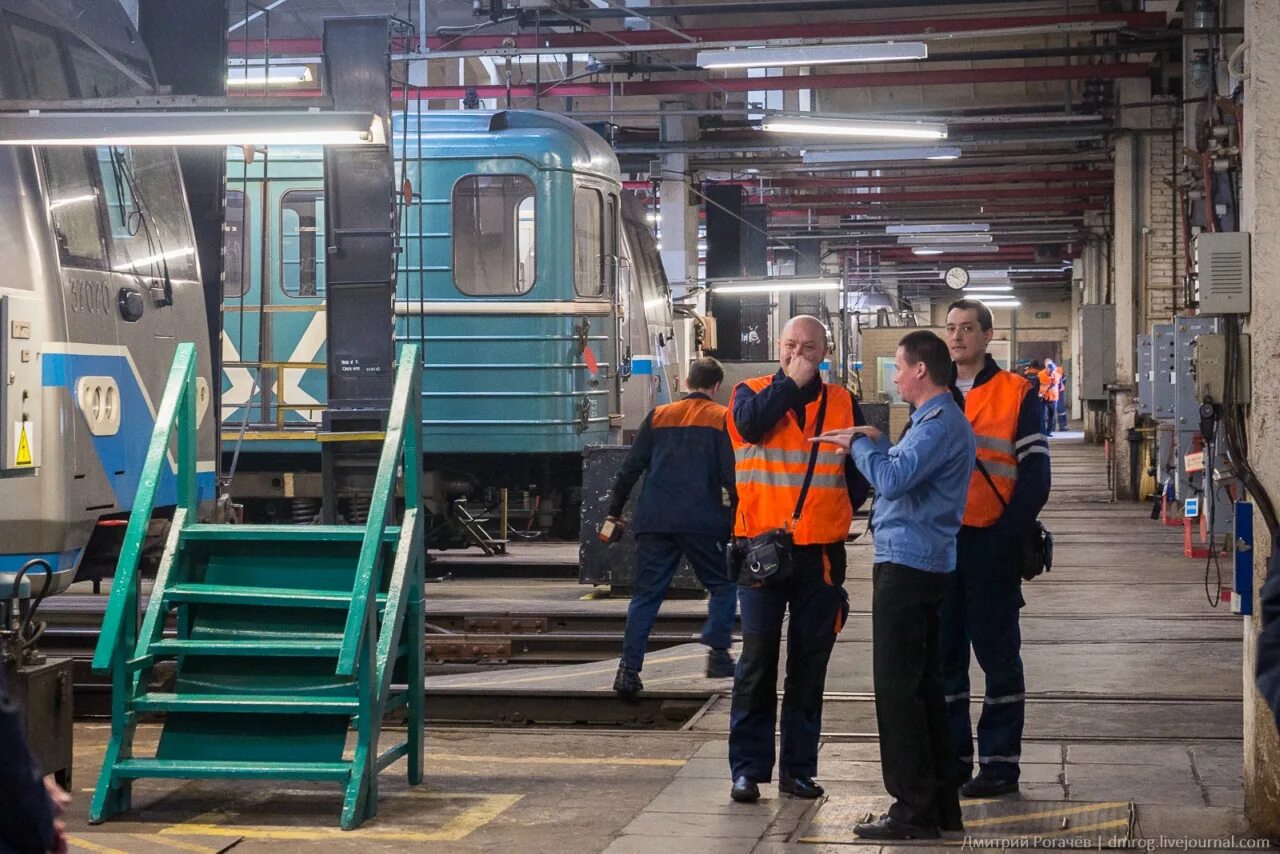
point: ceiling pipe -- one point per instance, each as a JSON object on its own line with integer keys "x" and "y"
{"x": 976, "y": 195}
{"x": 1074, "y": 176}
{"x": 862, "y": 80}
{"x": 776, "y": 7}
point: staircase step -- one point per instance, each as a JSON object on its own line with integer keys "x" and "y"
{"x": 291, "y": 704}
{"x": 293, "y": 647}
{"x": 205, "y": 769}
{"x": 283, "y": 533}
{"x": 268, "y": 596}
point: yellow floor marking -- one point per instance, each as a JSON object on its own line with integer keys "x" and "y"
{"x": 545, "y": 677}
{"x": 553, "y": 760}
{"x": 595, "y": 594}
{"x": 1031, "y": 816}
{"x": 1069, "y": 831}
{"x": 469, "y": 820}
{"x": 77, "y": 842}
{"x": 175, "y": 843}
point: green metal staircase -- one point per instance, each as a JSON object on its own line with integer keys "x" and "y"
{"x": 290, "y": 639}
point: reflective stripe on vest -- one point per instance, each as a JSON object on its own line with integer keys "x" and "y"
{"x": 992, "y": 409}
{"x": 771, "y": 472}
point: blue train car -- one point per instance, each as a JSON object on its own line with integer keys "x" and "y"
{"x": 509, "y": 275}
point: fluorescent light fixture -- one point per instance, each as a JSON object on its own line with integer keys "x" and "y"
{"x": 1008, "y": 304}
{"x": 72, "y": 200}
{"x": 925, "y": 250}
{"x": 817, "y": 125}
{"x": 988, "y": 274}
{"x": 938, "y": 228}
{"x": 872, "y": 155}
{"x": 778, "y": 286}
{"x": 992, "y": 297}
{"x": 943, "y": 239}
{"x": 960, "y": 249}
{"x": 835, "y": 54}
{"x": 985, "y": 287}
{"x": 282, "y": 75}
{"x": 148, "y": 128}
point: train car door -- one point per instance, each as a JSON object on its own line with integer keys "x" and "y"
{"x": 242, "y": 289}
{"x": 294, "y": 305}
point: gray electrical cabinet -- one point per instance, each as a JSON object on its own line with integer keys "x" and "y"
{"x": 1145, "y": 401}
{"x": 1223, "y": 272}
{"x": 1098, "y": 359}
{"x": 1186, "y": 404}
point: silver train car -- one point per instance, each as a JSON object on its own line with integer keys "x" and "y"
{"x": 101, "y": 285}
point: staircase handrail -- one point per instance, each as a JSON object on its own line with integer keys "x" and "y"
{"x": 177, "y": 410}
{"x": 403, "y": 442}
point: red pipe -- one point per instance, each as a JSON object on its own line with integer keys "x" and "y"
{"x": 586, "y": 41}
{"x": 864, "y": 80}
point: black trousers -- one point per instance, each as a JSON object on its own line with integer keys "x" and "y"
{"x": 915, "y": 745}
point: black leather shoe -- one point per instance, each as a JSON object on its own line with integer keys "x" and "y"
{"x": 627, "y": 683}
{"x": 983, "y": 786}
{"x": 887, "y": 827}
{"x": 800, "y": 787}
{"x": 745, "y": 791}
{"x": 720, "y": 664}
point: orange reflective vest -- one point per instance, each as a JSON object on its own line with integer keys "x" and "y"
{"x": 992, "y": 409}
{"x": 769, "y": 473}
{"x": 1048, "y": 386}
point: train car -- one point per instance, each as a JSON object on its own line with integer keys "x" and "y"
{"x": 100, "y": 287}
{"x": 538, "y": 305}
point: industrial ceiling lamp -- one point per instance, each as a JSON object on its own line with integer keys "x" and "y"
{"x": 955, "y": 249}
{"x": 939, "y": 228}
{"x": 822, "y": 126}
{"x": 873, "y": 155}
{"x": 181, "y": 129}
{"x": 835, "y": 54}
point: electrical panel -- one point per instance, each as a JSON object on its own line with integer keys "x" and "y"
{"x": 1186, "y": 330}
{"x": 1222, "y": 272}
{"x": 20, "y": 405}
{"x": 1145, "y": 400}
{"x": 1211, "y": 369}
{"x": 1098, "y": 359}
{"x": 1162, "y": 376}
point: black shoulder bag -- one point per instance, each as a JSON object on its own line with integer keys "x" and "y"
{"x": 767, "y": 558}
{"x": 1033, "y": 548}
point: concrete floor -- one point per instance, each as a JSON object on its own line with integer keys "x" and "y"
{"x": 1134, "y": 725}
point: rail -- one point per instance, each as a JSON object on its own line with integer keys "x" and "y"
{"x": 177, "y": 413}
{"x": 403, "y": 442}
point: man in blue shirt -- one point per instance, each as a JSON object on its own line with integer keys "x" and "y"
{"x": 921, "y": 485}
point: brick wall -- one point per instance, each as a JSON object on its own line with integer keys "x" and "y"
{"x": 1163, "y": 242}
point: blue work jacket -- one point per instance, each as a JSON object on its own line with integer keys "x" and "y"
{"x": 921, "y": 486}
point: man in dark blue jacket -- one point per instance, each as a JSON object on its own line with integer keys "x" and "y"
{"x": 685, "y": 508}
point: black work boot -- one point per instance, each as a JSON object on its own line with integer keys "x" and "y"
{"x": 720, "y": 664}
{"x": 627, "y": 683}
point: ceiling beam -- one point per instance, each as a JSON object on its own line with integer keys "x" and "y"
{"x": 864, "y": 80}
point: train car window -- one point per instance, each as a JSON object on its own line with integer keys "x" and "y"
{"x": 610, "y": 242}
{"x": 73, "y": 205}
{"x": 588, "y": 242}
{"x": 97, "y": 77}
{"x": 149, "y": 232}
{"x": 494, "y": 235}
{"x": 235, "y": 266}
{"x": 40, "y": 62}
{"x": 302, "y": 243}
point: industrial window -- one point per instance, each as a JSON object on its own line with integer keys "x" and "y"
{"x": 73, "y": 205}
{"x": 235, "y": 262}
{"x": 40, "y": 62}
{"x": 146, "y": 210}
{"x": 494, "y": 235}
{"x": 302, "y": 243}
{"x": 588, "y": 242}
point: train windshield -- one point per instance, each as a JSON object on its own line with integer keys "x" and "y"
{"x": 494, "y": 235}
